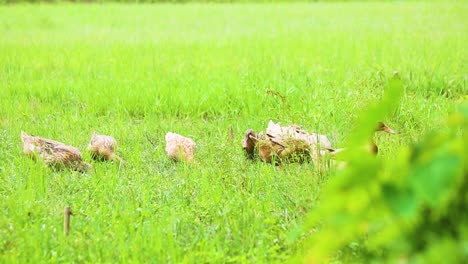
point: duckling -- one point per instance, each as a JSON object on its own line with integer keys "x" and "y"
{"x": 55, "y": 154}
{"x": 180, "y": 148}
{"x": 102, "y": 147}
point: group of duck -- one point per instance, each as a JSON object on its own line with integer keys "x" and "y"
{"x": 58, "y": 155}
{"x": 278, "y": 144}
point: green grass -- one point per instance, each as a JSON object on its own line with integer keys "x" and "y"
{"x": 139, "y": 71}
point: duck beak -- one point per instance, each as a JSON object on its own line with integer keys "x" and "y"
{"x": 388, "y": 130}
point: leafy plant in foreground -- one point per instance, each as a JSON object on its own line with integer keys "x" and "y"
{"x": 410, "y": 208}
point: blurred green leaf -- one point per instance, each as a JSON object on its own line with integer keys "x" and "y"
{"x": 409, "y": 208}
{"x": 433, "y": 179}
{"x": 402, "y": 202}
{"x": 366, "y": 124}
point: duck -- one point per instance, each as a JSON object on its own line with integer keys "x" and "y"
{"x": 298, "y": 141}
{"x": 248, "y": 144}
{"x": 102, "y": 147}
{"x": 278, "y": 144}
{"x": 293, "y": 144}
{"x": 180, "y": 148}
{"x": 381, "y": 127}
{"x": 371, "y": 147}
{"x": 55, "y": 154}
{"x": 267, "y": 149}
{"x": 272, "y": 150}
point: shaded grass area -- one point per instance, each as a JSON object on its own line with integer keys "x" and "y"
{"x": 138, "y": 71}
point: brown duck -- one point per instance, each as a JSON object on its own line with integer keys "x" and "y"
{"x": 103, "y": 147}
{"x": 272, "y": 150}
{"x": 371, "y": 147}
{"x": 54, "y": 154}
{"x": 374, "y": 149}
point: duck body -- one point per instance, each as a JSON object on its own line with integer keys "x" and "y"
{"x": 54, "y": 154}
{"x": 180, "y": 148}
{"x": 298, "y": 141}
{"x": 260, "y": 146}
{"x": 103, "y": 147}
{"x": 285, "y": 144}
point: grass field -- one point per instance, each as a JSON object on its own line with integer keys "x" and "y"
{"x": 139, "y": 71}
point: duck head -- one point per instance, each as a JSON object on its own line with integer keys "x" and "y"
{"x": 373, "y": 148}
{"x": 249, "y": 142}
{"x": 382, "y": 127}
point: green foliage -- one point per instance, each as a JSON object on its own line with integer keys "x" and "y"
{"x": 412, "y": 206}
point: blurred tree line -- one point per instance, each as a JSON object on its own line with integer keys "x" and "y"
{"x": 145, "y": 1}
{"x": 166, "y": 1}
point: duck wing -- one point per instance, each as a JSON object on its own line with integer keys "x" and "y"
{"x": 60, "y": 154}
